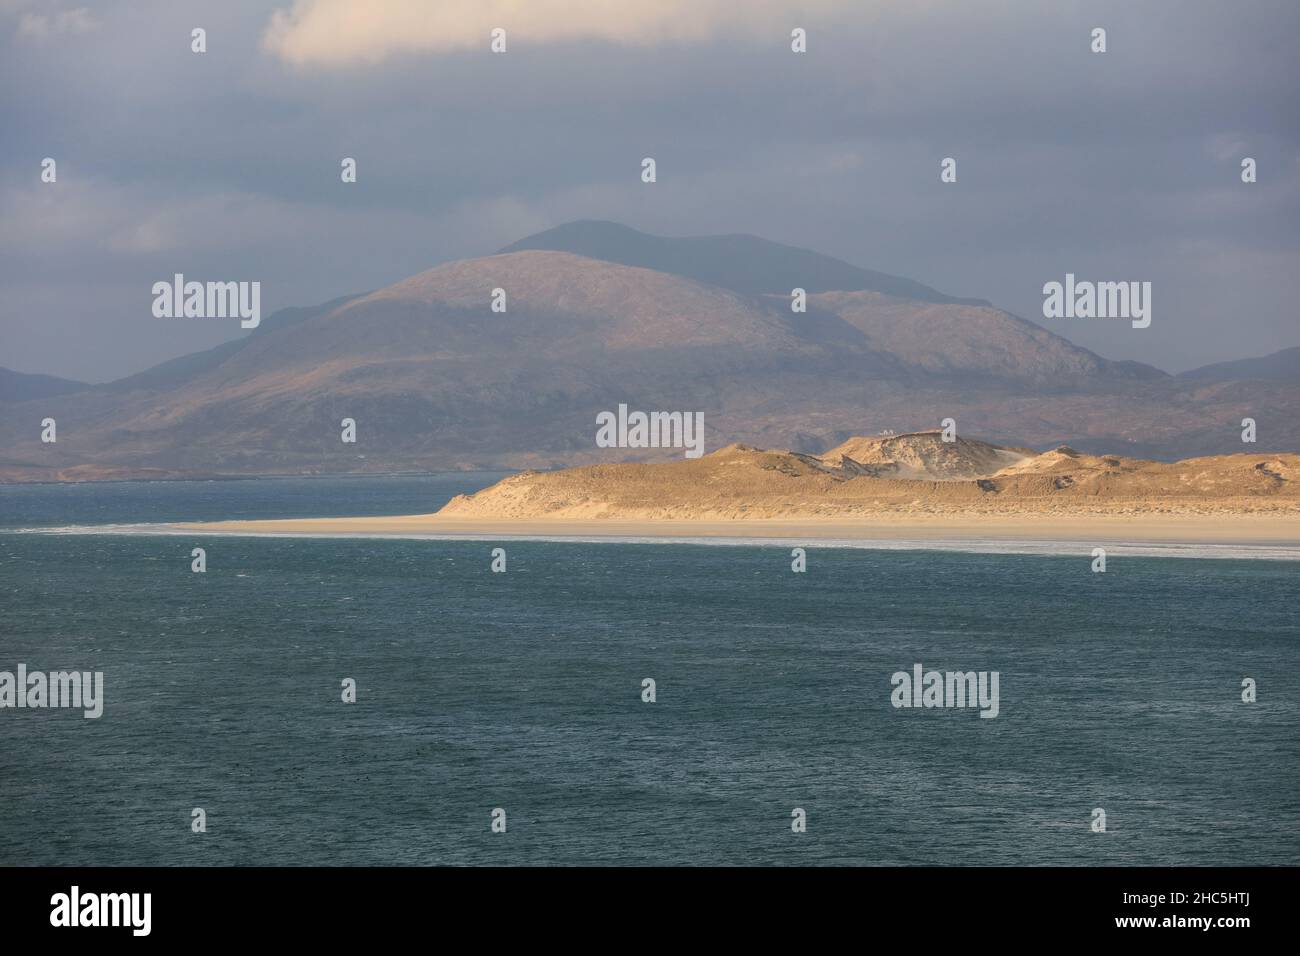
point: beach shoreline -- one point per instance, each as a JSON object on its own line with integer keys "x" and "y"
{"x": 1249, "y": 529}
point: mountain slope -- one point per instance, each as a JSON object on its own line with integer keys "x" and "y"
{"x": 180, "y": 370}
{"x": 976, "y": 341}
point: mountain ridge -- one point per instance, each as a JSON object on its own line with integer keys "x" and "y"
{"x": 1282, "y": 366}
{"x": 28, "y": 386}
{"x": 741, "y": 262}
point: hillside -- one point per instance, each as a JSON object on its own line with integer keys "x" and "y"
{"x": 973, "y": 342}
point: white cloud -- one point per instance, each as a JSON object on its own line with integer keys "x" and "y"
{"x": 343, "y": 32}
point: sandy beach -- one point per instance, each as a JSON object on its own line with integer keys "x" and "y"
{"x": 1262, "y": 529}
{"x": 962, "y": 493}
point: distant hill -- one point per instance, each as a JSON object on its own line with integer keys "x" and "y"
{"x": 436, "y": 380}
{"x": 24, "y": 386}
{"x": 1283, "y": 366}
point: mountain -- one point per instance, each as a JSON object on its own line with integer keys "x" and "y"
{"x": 437, "y": 380}
{"x": 23, "y": 386}
{"x": 744, "y": 264}
{"x": 1283, "y": 366}
{"x": 914, "y": 474}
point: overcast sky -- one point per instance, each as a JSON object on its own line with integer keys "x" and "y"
{"x": 225, "y": 165}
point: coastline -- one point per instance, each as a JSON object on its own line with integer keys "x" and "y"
{"x": 1270, "y": 530}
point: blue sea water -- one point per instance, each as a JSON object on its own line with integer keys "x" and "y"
{"x": 522, "y": 690}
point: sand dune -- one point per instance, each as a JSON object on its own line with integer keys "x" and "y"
{"x": 919, "y": 456}
{"x": 915, "y": 474}
{"x": 912, "y": 487}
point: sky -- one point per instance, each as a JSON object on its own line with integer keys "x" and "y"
{"x": 225, "y": 165}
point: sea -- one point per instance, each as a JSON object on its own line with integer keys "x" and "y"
{"x": 1146, "y": 715}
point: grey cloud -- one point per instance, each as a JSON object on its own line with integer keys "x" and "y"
{"x": 1122, "y": 165}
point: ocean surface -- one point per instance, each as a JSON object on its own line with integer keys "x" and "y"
{"x": 523, "y": 691}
